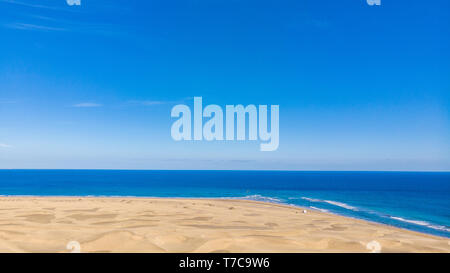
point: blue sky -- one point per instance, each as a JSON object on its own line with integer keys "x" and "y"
{"x": 91, "y": 86}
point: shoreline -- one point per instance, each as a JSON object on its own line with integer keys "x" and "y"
{"x": 142, "y": 224}
{"x": 225, "y": 198}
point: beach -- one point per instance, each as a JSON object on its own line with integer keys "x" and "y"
{"x": 118, "y": 224}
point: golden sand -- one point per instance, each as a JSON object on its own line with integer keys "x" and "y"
{"x": 48, "y": 224}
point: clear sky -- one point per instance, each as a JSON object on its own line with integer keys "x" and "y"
{"x": 91, "y": 86}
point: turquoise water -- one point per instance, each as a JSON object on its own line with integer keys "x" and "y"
{"x": 413, "y": 200}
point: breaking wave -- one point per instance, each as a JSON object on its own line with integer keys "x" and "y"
{"x": 258, "y": 197}
{"x": 421, "y": 223}
{"x": 319, "y": 209}
{"x": 334, "y": 203}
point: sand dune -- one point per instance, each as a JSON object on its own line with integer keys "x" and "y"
{"x": 48, "y": 224}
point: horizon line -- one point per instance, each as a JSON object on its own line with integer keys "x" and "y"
{"x": 225, "y": 170}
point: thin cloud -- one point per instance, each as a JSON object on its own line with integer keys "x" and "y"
{"x": 23, "y": 26}
{"x": 156, "y": 102}
{"x": 45, "y": 24}
{"x": 3, "y": 145}
{"x": 33, "y": 20}
{"x": 146, "y": 102}
{"x": 28, "y": 4}
{"x": 87, "y": 104}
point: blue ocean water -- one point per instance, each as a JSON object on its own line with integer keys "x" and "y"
{"x": 413, "y": 200}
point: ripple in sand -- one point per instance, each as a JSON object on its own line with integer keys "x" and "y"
{"x": 83, "y": 217}
{"x": 39, "y": 218}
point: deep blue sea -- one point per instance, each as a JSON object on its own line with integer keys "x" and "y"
{"x": 417, "y": 201}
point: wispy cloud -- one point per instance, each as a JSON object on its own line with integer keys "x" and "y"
{"x": 146, "y": 102}
{"x": 157, "y": 102}
{"x": 3, "y": 145}
{"x": 87, "y": 104}
{"x": 72, "y": 17}
{"x": 23, "y": 26}
{"x": 31, "y": 5}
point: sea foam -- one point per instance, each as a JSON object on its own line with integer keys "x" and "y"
{"x": 334, "y": 203}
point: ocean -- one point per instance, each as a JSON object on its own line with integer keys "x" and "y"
{"x": 418, "y": 201}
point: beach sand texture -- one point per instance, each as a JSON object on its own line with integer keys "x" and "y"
{"x": 48, "y": 224}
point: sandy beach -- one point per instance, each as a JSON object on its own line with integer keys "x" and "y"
{"x": 48, "y": 224}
